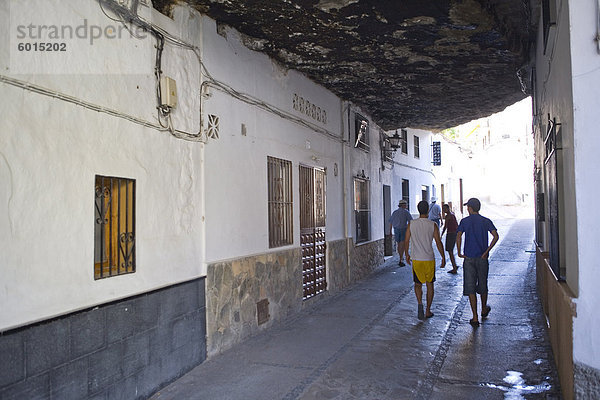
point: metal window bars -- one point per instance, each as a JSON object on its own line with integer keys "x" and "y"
{"x": 114, "y": 227}
{"x": 280, "y": 202}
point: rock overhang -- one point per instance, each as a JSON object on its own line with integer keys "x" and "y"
{"x": 429, "y": 64}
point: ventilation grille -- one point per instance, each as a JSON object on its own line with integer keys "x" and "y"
{"x": 262, "y": 311}
{"x": 212, "y": 131}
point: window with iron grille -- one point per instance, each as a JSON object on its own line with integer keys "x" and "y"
{"x": 114, "y": 227}
{"x": 416, "y": 139}
{"x": 404, "y": 141}
{"x": 362, "y": 210}
{"x": 279, "y": 178}
{"x": 361, "y": 132}
{"x": 405, "y": 193}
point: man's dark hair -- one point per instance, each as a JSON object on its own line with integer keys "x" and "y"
{"x": 423, "y": 207}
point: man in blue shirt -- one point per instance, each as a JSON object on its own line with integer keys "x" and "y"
{"x": 476, "y": 253}
{"x": 399, "y": 221}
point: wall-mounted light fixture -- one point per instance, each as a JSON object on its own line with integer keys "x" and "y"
{"x": 395, "y": 140}
{"x": 387, "y": 150}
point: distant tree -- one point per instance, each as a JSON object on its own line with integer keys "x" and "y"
{"x": 450, "y": 133}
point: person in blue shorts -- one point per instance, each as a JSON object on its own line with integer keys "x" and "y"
{"x": 399, "y": 221}
{"x": 475, "y": 227}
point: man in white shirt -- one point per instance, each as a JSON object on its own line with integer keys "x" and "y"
{"x": 435, "y": 212}
{"x": 419, "y": 236}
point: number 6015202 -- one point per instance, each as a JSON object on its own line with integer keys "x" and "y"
{"x": 42, "y": 46}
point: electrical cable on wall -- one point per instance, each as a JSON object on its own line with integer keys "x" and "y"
{"x": 163, "y": 111}
{"x": 70, "y": 99}
{"x": 164, "y": 36}
{"x": 165, "y": 123}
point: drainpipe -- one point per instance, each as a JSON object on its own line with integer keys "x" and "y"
{"x": 345, "y": 185}
{"x": 203, "y": 263}
{"x": 203, "y": 97}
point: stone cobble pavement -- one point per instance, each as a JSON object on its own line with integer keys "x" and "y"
{"x": 367, "y": 343}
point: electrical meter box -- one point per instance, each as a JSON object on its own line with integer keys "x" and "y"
{"x": 168, "y": 92}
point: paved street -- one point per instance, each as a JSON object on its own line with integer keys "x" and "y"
{"x": 367, "y": 343}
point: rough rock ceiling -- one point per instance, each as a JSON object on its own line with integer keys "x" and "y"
{"x": 429, "y": 64}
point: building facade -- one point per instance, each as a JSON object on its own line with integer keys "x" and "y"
{"x": 168, "y": 192}
{"x": 566, "y": 80}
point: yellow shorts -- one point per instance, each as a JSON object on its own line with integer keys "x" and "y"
{"x": 423, "y": 271}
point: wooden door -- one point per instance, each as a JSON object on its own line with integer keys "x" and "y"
{"x": 312, "y": 230}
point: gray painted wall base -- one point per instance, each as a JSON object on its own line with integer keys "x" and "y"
{"x": 126, "y": 349}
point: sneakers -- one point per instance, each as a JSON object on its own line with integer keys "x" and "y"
{"x": 420, "y": 312}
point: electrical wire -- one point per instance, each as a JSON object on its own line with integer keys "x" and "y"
{"x": 249, "y": 99}
{"x": 246, "y": 98}
{"x": 412, "y": 167}
{"x": 107, "y": 16}
{"x": 70, "y": 99}
{"x": 164, "y": 112}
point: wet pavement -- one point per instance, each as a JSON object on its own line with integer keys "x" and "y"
{"x": 367, "y": 343}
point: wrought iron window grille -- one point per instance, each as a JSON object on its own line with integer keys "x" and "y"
{"x": 280, "y": 202}
{"x": 416, "y": 146}
{"x": 362, "y": 210}
{"x": 114, "y": 227}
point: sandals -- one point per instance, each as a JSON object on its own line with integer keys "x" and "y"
{"x": 485, "y": 312}
{"x": 429, "y": 315}
{"x": 474, "y": 323}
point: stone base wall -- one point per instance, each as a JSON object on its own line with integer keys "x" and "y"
{"x": 587, "y": 382}
{"x": 365, "y": 258}
{"x": 235, "y": 287}
{"x": 338, "y": 276}
{"x": 127, "y": 349}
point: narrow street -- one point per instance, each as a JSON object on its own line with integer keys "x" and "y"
{"x": 367, "y": 343}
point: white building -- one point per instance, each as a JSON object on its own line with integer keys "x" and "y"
{"x": 137, "y": 241}
{"x": 491, "y": 158}
{"x": 566, "y": 82}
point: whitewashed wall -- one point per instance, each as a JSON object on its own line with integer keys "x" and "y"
{"x": 236, "y": 164}
{"x": 50, "y": 151}
{"x": 453, "y": 168}
{"x": 418, "y": 171}
{"x": 585, "y": 64}
{"x": 556, "y": 99}
{"x": 195, "y": 203}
